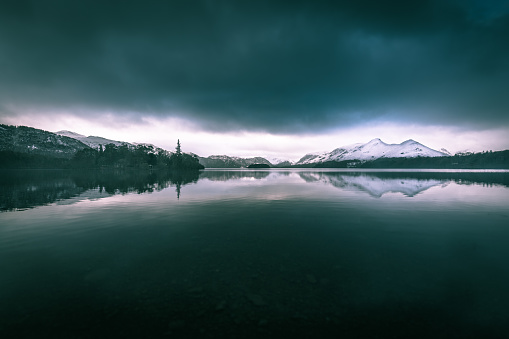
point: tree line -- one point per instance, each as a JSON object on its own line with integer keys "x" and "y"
{"x": 139, "y": 156}
{"x": 484, "y": 160}
{"x": 107, "y": 156}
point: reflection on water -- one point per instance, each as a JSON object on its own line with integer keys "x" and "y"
{"x": 225, "y": 175}
{"x": 374, "y": 185}
{"x": 26, "y": 189}
{"x": 254, "y": 254}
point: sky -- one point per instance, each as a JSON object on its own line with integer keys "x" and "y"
{"x": 260, "y": 78}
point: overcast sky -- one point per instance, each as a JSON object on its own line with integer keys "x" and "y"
{"x": 274, "y": 78}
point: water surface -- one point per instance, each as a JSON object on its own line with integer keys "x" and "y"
{"x": 265, "y": 253}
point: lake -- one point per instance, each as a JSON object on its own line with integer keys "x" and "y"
{"x": 254, "y": 253}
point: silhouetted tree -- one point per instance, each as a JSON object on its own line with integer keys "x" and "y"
{"x": 182, "y": 161}
{"x": 178, "y": 150}
{"x": 178, "y": 155}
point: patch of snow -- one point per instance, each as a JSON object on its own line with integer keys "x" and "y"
{"x": 70, "y": 134}
{"x": 91, "y": 141}
{"x": 276, "y": 161}
{"x": 443, "y": 150}
{"x": 95, "y": 142}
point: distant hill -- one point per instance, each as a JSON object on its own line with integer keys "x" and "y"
{"x": 280, "y": 162}
{"x": 224, "y": 161}
{"x": 258, "y": 166}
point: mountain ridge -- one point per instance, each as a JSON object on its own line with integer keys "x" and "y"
{"x": 96, "y": 142}
{"x": 27, "y": 147}
{"x": 372, "y": 150}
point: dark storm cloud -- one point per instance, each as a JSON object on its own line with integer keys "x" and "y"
{"x": 265, "y": 65}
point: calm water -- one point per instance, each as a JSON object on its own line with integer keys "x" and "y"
{"x": 269, "y": 253}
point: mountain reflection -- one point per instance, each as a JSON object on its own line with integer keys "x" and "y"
{"x": 27, "y": 189}
{"x": 409, "y": 184}
{"x": 225, "y": 175}
{"x": 374, "y": 185}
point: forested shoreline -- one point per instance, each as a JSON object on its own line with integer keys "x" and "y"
{"x": 146, "y": 157}
{"x": 109, "y": 156}
{"x": 483, "y": 160}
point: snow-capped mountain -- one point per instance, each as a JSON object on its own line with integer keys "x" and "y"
{"x": 91, "y": 141}
{"x": 372, "y": 150}
{"x": 95, "y": 142}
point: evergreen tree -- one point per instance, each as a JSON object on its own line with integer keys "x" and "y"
{"x": 178, "y": 155}
{"x": 182, "y": 161}
{"x": 179, "y": 152}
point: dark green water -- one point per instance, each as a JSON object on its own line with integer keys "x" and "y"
{"x": 254, "y": 254}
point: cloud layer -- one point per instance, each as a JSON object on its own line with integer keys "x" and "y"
{"x": 277, "y": 67}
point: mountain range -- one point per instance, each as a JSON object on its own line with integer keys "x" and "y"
{"x": 64, "y": 144}
{"x": 375, "y": 149}
{"x": 213, "y": 161}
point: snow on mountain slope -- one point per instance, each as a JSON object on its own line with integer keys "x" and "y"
{"x": 279, "y": 161}
{"x": 94, "y": 142}
{"x": 25, "y": 139}
{"x": 91, "y": 141}
{"x": 70, "y": 134}
{"x": 372, "y": 150}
